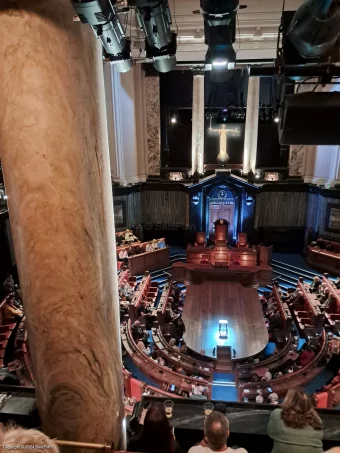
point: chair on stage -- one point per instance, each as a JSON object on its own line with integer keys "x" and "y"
{"x": 242, "y": 240}
{"x": 201, "y": 240}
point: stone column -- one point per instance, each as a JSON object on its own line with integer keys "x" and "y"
{"x": 55, "y": 158}
{"x": 252, "y": 125}
{"x": 197, "y": 143}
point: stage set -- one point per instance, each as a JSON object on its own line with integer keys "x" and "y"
{"x": 222, "y": 306}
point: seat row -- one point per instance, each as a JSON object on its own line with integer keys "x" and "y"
{"x": 160, "y": 374}
{"x": 298, "y": 378}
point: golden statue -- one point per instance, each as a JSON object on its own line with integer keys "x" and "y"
{"x": 223, "y": 156}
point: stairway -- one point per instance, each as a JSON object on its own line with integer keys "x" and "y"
{"x": 223, "y": 360}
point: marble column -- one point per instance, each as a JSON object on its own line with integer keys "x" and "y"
{"x": 197, "y": 143}
{"x": 252, "y": 125}
{"x": 152, "y": 115}
{"x": 55, "y": 159}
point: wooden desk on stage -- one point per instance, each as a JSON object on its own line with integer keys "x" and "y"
{"x": 246, "y": 275}
{"x": 149, "y": 261}
{"x": 244, "y": 256}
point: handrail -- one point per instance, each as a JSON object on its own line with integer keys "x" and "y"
{"x": 107, "y": 446}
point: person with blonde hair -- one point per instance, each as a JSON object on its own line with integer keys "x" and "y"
{"x": 296, "y": 427}
{"x": 15, "y": 439}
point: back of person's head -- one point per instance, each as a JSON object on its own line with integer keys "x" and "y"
{"x": 216, "y": 430}
{"x": 172, "y": 342}
{"x": 33, "y": 440}
{"x": 156, "y": 435}
{"x": 298, "y": 411}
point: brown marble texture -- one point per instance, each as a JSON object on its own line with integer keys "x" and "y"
{"x": 55, "y": 160}
{"x": 153, "y": 124}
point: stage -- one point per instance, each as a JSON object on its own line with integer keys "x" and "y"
{"x": 209, "y": 302}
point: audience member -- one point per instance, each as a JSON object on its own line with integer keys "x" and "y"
{"x": 273, "y": 398}
{"x": 296, "y": 428}
{"x": 216, "y": 433}
{"x": 172, "y": 343}
{"x": 156, "y": 435}
{"x": 259, "y": 398}
{"x": 123, "y": 256}
{"x": 28, "y": 439}
{"x": 148, "y": 247}
{"x": 161, "y": 244}
{"x": 10, "y": 311}
{"x": 267, "y": 376}
{"x": 9, "y": 285}
{"x": 314, "y": 287}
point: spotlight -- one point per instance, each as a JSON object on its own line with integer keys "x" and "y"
{"x": 154, "y": 19}
{"x": 174, "y": 120}
{"x": 220, "y": 31}
{"x": 217, "y": 63}
{"x": 276, "y": 119}
{"x": 102, "y": 16}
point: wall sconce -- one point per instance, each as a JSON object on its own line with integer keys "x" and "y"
{"x": 196, "y": 199}
{"x": 249, "y": 200}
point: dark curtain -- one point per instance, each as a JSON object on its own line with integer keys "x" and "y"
{"x": 231, "y": 92}
{"x": 179, "y": 139}
{"x": 176, "y": 89}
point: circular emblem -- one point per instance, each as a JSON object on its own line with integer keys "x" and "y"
{"x": 222, "y": 193}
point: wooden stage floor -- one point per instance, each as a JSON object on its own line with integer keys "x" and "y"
{"x": 207, "y": 303}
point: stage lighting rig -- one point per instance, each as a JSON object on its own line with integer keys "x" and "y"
{"x": 102, "y": 16}
{"x": 220, "y": 31}
{"x": 154, "y": 19}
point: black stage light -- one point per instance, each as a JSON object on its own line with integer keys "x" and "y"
{"x": 102, "y": 16}
{"x": 220, "y": 31}
{"x": 154, "y": 19}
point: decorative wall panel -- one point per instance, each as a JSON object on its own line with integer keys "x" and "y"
{"x": 163, "y": 207}
{"x": 153, "y": 122}
{"x": 297, "y": 159}
{"x": 133, "y": 208}
{"x": 281, "y": 209}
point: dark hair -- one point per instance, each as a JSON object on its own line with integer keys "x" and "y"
{"x": 156, "y": 435}
{"x": 216, "y": 430}
{"x": 298, "y": 411}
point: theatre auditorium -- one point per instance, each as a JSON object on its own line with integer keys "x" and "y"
{"x": 170, "y": 226}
